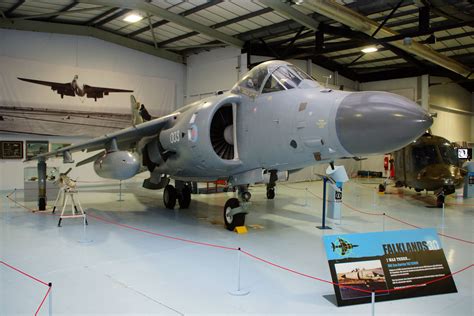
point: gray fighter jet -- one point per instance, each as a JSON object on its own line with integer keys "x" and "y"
{"x": 73, "y": 88}
{"x": 276, "y": 118}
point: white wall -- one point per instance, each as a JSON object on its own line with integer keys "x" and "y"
{"x": 452, "y": 126}
{"x": 83, "y": 52}
{"x": 212, "y": 71}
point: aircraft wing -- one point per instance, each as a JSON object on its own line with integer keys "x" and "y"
{"x": 99, "y": 92}
{"x": 61, "y": 88}
{"x": 124, "y": 137}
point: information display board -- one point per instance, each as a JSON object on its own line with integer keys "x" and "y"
{"x": 393, "y": 264}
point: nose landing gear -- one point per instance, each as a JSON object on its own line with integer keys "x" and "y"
{"x": 235, "y": 210}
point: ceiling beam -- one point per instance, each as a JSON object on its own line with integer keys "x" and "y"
{"x": 53, "y": 14}
{"x": 361, "y": 23}
{"x": 185, "y": 13}
{"x": 218, "y": 25}
{"x": 60, "y": 28}
{"x": 66, "y": 8}
{"x": 172, "y": 17}
{"x": 291, "y": 13}
{"x": 100, "y": 16}
{"x": 112, "y": 17}
{"x": 14, "y": 7}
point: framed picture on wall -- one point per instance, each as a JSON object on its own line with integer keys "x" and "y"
{"x": 34, "y": 148}
{"x": 11, "y": 150}
{"x": 57, "y": 146}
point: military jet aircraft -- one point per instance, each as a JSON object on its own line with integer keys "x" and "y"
{"x": 371, "y": 275}
{"x": 430, "y": 163}
{"x": 73, "y": 88}
{"x": 275, "y": 119}
{"x": 344, "y": 246}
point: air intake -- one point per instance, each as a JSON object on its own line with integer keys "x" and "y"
{"x": 222, "y": 137}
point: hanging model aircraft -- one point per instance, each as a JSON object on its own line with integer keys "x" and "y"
{"x": 430, "y": 163}
{"x": 275, "y": 119}
{"x": 73, "y": 88}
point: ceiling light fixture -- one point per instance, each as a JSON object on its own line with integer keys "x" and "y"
{"x": 369, "y": 49}
{"x": 133, "y": 17}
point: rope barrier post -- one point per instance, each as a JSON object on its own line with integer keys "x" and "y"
{"x": 442, "y": 218}
{"x": 373, "y": 303}
{"x": 120, "y": 191}
{"x": 239, "y": 291}
{"x": 383, "y": 222}
{"x": 323, "y": 226}
{"x": 50, "y": 299}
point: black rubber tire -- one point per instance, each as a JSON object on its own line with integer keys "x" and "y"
{"x": 169, "y": 197}
{"x": 381, "y": 188}
{"x": 271, "y": 193}
{"x": 236, "y": 220}
{"x": 184, "y": 199}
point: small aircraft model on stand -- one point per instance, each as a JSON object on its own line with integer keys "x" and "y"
{"x": 275, "y": 119}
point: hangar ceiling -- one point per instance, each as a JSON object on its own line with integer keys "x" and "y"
{"x": 413, "y": 37}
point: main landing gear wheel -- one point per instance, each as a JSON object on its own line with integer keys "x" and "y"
{"x": 232, "y": 221}
{"x": 184, "y": 199}
{"x": 270, "y": 193}
{"x": 169, "y": 196}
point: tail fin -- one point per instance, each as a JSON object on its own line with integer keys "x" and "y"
{"x": 139, "y": 112}
{"x": 135, "y": 106}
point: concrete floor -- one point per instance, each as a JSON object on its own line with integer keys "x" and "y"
{"x": 122, "y": 271}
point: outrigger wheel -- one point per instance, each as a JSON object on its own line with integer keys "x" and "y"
{"x": 169, "y": 196}
{"x": 184, "y": 198}
{"x": 232, "y": 221}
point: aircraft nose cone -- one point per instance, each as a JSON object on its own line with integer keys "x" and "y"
{"x": 379, "y": 122}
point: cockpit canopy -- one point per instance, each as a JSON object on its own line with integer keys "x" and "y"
{"x": 272, "y": 76}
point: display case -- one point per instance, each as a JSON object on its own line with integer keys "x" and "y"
{"x": 30, "y": 176}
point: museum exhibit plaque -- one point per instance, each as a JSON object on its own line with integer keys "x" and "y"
{"x": 34, "y": 148}
{"x": 11, "y": 149}
{"x": 393, "y": 264}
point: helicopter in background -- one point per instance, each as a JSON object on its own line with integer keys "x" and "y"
{"x": 430, "y": 163}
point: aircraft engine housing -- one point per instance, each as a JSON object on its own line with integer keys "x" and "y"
{"x": 119, "y": 165}
{"x": 196, "y": 148}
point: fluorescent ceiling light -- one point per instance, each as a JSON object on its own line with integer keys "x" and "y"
{"x": 133, "y": 17}
{"x": 369, "y": 49}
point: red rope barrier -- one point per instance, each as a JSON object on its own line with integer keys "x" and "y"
{"x": 24, "y": 273}
{"x": 42, "y": 302}
{"x": 49, "y": 285}
{"x": 161, "y": 235}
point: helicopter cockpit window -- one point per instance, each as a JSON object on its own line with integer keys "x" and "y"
{"x": 424, "y": 156}
{"x": 448, "y": 154}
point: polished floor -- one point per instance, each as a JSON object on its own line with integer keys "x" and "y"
{"x": 123, "y": 265}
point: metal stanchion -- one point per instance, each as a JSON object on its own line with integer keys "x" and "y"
{"x": 373, "y": 303}
{"x": 239, "y": 291}
{"x": 442, "y": 218}
{"x": 120, "y": 191}
{"x": 50, "y": 299}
